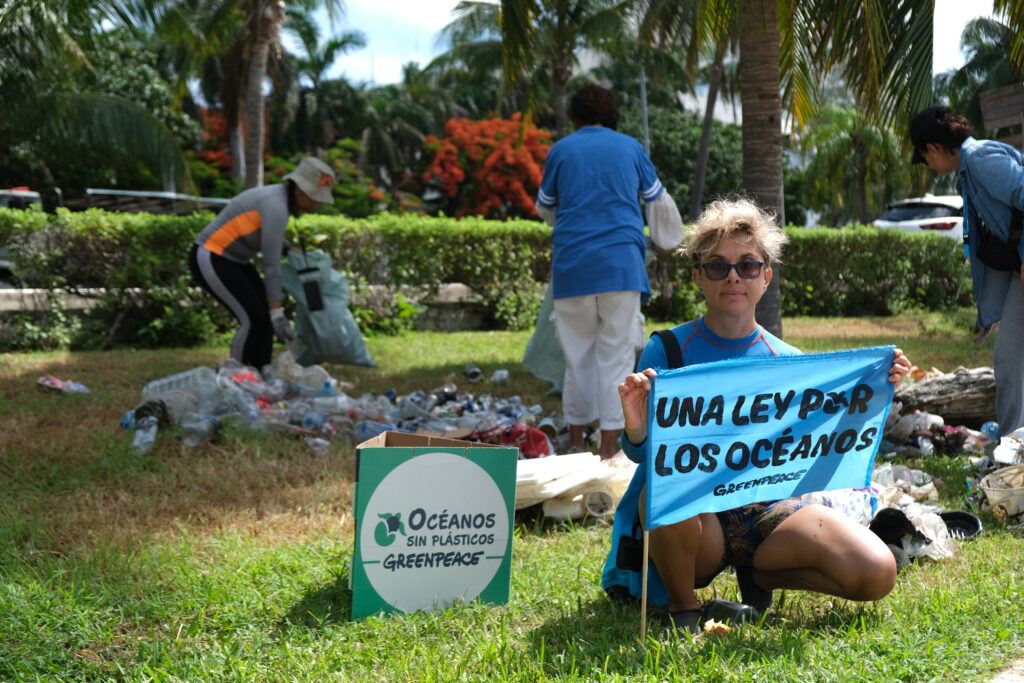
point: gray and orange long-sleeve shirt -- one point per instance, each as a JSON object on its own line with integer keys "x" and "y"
{"x": 254, "y": 222}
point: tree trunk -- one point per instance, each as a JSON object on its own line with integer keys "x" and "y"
{"x": 236, "y": 143}
{"x": 700, "y": 172}
{"x": 560, "y": 74}
{"x": 762, "y": 128}
{"x": 862, "y": 190}
{"x": 264, "y": 23}
{"x": 254, "y": 108}
{"x": 962, "y": 397}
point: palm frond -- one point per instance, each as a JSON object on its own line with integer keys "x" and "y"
{"x": 118, "y": 128}
{"x": 1013, "y": 11}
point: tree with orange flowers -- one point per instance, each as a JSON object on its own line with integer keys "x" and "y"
{"x": 489, "y": 168}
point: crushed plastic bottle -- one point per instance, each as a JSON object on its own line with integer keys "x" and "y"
{"x": 128, "y": 419}
{"x": 313, "y": 421}
{"x": 367, "y": 429}
{"x": 200, "y": 381}
{"x": 318, "y": 446}
{"x": 195, "y": 428}
{"x": 145, "y": 434}
{"x": 990, "y": 430}
{"x": 332, "y": 405}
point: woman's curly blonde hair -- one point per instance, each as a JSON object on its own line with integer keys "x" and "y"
{"x": 738, "y": 219}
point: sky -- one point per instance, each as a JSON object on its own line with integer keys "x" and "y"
{"x": 401, "y": 31}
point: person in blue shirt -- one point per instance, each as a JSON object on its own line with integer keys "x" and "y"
{"x": 591, "y": 190}
{"x": 990, "y": 177}
{"x": 772, "y": 544}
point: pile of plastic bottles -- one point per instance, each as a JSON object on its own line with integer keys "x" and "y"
{"x": 309, "y": 402}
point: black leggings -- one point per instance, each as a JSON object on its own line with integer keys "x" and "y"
{"x": 240, "y": 289}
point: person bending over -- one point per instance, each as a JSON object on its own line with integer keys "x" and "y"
{"x": 254, "y": 223}
{"x": 990, "y": 179}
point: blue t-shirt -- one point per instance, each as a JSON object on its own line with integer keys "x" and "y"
{"x": 593, "y": 179}
{"x": 698, "y": 345}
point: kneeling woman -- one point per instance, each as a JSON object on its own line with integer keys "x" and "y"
{"x": 771, "y": 544}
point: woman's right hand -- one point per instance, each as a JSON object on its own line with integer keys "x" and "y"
{"x": 633, "y": 395}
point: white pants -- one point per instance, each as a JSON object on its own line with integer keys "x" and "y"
{"x": 599, "y": 335}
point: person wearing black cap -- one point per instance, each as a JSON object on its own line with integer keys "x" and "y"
{"x": 990, "y": 178}
{"x": 254, "y": 223}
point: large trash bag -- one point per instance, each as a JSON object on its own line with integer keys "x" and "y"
{"x": 544, "y": 356}
{"x": 325, "y": 330}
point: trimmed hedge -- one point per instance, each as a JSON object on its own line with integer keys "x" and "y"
{"x": 139, "y": 260}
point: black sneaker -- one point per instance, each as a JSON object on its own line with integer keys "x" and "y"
{"x": 750, "y": 593}
{"x": 730, "y": 612}
{"x": 686, "y": 621}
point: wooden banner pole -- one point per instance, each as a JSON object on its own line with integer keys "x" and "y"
{"x": 643, "y": 592}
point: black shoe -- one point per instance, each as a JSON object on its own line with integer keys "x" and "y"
{"x": 750, "y": 593}
{"x": 685, "y": 621}
{"x": 730, "y": 612}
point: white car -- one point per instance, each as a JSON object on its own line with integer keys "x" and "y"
{"x": 935, "y": 214}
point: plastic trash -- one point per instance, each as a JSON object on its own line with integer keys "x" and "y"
{"x": 285, "y": 367}
{"x": 276, "y": 389}
{"x": 195, "y": 428}
{"x": 145, "y": 434}
{"x": 200, "y": 382}
{"x": 177, "y": 403}
{"x": 128, "y": 419}
{"x": 860, "y": 505}
{"x": 564, "y": 508}
{"x": 923, "y": 444}
{"x": 990, "y": 430}
{"x": 472, "y": 372}
{"x": 367, "y": 429}
{"x": 318, "y": 446}
{"x": 499, "y": 376}
{"x": 65, "y": 385}
{"x": 331, "y": 405}
{"x": 1006, "y": 451}
{"x": 313, "y": 421}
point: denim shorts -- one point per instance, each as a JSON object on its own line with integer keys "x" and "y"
{"x": 745, "y": 528}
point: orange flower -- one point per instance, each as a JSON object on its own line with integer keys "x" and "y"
{"x": 493, "y": 167}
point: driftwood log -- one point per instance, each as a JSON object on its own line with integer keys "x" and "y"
{"x": 963, "y": 397}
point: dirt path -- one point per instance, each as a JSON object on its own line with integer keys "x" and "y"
{"x": 1015, "y": 674}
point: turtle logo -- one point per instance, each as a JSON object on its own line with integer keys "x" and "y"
{"x": 385, "y": 531}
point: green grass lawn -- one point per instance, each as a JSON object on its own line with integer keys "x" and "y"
{"x": 230, "y": 561}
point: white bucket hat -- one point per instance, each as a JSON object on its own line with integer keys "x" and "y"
{"x": 315, "y": 178}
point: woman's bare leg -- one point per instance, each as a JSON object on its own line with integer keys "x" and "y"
{"x": 819, "y": 549}
{"x": 684, "y": 552}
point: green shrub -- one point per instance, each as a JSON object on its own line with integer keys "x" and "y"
{"x": 864, "y": 270}
{"x": 139, "y": 262}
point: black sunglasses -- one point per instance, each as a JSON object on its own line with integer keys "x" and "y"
{"x": 719, "y": 270}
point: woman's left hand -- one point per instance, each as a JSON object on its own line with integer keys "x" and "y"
{"x": 901, "y": 365}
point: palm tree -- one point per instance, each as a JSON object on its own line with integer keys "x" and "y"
{"x": 882, "y": 49}
{"x": 555, "y": 30}
{"x": 38, "y": 45}
{"x": 314, "y": 62}
{"x": 853, "y": 158}
{"x": 987, "y": 44}
{"x": 1013, "y": 11}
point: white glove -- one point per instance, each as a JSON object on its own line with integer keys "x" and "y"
{"x": 665, "y": 222}
{"x": 282, "y": 326}
{"x": 546, "y": 214}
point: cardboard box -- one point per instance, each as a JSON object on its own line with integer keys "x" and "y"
{"x": 434, "y": 521}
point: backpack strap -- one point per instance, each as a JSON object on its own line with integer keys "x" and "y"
{"x": 672, "y": 350}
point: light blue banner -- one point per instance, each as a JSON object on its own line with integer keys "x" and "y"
{"x": 735, "y": 432}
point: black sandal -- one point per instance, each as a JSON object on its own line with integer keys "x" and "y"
{"x": 686, "y": 621}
